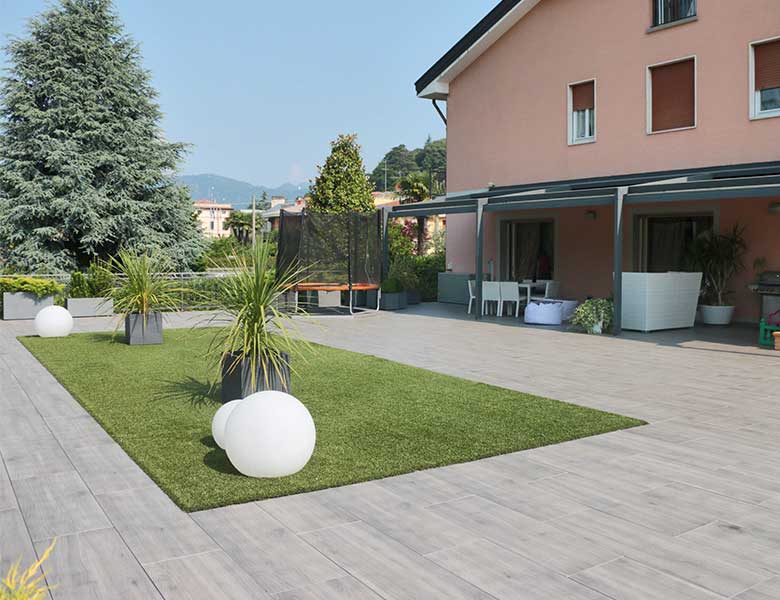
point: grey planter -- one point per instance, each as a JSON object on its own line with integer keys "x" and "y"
{"x": 144, "y": 330}
{"x": 23, "y": 305}
{"x": 393, "y": 301}
{"x": 237, "y": 378}
{"x": 413, "y": 297}
{"x": 90, "y": 307}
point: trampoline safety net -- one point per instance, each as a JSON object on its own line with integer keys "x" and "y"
{"x": 341, "y": 249}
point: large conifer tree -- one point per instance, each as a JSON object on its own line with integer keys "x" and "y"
{"x": 84, "y": 167}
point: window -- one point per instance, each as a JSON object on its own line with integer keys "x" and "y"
{"x": 765, "y": 79}
{"x": 211, "y": 225}
{"x": 526, "y": 250}
{"x": 582, "y": 112}
{"x": 669, "y": 11}
{"x": 671, "y": 96}
{"x": 664, "y": 240}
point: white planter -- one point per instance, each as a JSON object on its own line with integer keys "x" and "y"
{"x": 716, "y": 315}
{"x": 656, "y": 301}
{"x": 597, "y": 328}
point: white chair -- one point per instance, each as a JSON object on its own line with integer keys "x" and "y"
{"x": 551, "y": 289}
{"x": 472, "y": 294}
{"x": 510, "y": 292}
{"x": 491, "y": 292}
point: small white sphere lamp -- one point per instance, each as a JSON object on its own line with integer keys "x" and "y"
{"x": 270, "y": 434}
{"x": 220, "y": 420}
{"x": 53, "y": 321}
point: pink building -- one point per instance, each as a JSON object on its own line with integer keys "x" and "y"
{"x": 213, "y": 217}
{"x": 577, "y": 128}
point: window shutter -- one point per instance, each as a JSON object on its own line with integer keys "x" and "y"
{"x": 582, "y": 96}
{"x": 768, "y": 65}
{"x": 674, "y": 96}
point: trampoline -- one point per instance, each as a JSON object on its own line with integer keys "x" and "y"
{"x": 335, "y": 253}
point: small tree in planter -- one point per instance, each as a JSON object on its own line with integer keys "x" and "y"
{"x": 719, "y": 257}
{"x": 393, "y": 294}
{"x": 142, "y": 290}
{"x": 88, "y": 294}
{"x": 403, "y": 269}
{"x": 595, "y": 315}
{"x": 255, "y": 350}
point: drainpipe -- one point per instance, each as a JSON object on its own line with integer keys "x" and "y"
{"x": 438, "y": 110}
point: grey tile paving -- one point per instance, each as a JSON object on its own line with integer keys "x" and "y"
{"x": 207, "y": 575}
{"x": 272, "y": 554}
{"x": 625, "y": 579}
{"x": 685, "y": 509}
{"x": 58, "y": 504}
{"x": 95, "y": 565}
{"x": 153, "y": 526}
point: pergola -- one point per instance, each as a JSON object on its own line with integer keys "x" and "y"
{"x": 756, "y": 180}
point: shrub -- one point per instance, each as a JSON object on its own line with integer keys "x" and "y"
{"x": 27, "y": 584}
{"x": 32, "y": 285}
{"x": 96, "y": 283}
{"x": 392, "y": 286}
{"x": 403, "y": 270}
{"x": 427, "y": 269}
{"x": 593, "y": 312}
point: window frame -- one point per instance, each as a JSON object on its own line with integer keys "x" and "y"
{"x": 656, "y": 9}
{"x": 570, "y": 114}
{"x": 649, "y": 94}
{"x": 754, "y": 95}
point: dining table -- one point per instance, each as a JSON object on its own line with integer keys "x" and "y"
{"x": 530, "y": 286}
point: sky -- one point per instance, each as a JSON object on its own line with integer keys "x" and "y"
{"x": 260, "y": 88}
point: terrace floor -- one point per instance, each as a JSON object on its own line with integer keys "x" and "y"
{"x": 687, "y": 507}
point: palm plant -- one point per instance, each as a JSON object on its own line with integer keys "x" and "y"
{"x": 719, "y": 257}
{"x": 261, "y": 336}
{"x": 142, "y": 286}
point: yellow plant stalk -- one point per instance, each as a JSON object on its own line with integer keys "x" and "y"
{"x": 26, "y": 585}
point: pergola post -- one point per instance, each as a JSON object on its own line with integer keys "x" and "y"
{"x": 617, "y": 292}
{"x": 385, "y": 243}
{"x": 479, "y": 252}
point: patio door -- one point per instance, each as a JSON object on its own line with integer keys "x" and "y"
{"x": 526, "y": 250}
{"x": 663, "y": 240}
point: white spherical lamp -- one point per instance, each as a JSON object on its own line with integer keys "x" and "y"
{"x": 270, "y": 434}
{"x": 53, "y": 321}
{"x": 220, "y": 420}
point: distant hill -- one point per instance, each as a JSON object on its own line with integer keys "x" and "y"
{"x": 235, "y": 192}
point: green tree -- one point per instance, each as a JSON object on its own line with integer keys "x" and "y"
{"x": 432, "y": 160}
{"x": 342, "y": 184}
{"x": 84, "y": 167}
{"x": 414, "y": 187}
{"x": 240, "y": 225}
{"x": 397, "y": 163}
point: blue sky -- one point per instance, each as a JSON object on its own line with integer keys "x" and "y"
{"x": 260, "y": 88}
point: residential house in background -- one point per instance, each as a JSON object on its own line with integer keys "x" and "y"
{"x": 213, "y": 218}
{"x": 599, "y": 138}
{"x": 272, "y": 215}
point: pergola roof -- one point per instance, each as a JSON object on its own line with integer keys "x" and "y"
{"x": 756, "y": 180}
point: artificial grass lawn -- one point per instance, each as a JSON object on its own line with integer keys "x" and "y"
{"x": 374, "y": 417}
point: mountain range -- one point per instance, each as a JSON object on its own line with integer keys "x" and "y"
{"x": 235, "y": 192}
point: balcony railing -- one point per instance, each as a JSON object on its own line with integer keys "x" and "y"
{"x": 669, "y": 11}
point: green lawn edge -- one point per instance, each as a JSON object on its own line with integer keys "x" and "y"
{"x": 376, "y": 418}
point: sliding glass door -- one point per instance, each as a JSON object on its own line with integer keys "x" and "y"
{"x": 663, "y": 240}
{"x": 527, "y": 250}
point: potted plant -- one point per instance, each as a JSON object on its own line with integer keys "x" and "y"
{"x": 23, "y": 297}
{"x": 594, "y": 316}
{"x": 88, "y": 294}
{"x": 393, "y": 295}
{"x": 140, "y": 292}
{"x": 403, "y": 269}
{"x": 255, "y": 350}
{"x": 719, "y": 257}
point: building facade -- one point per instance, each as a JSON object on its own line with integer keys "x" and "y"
{"x": 544, "y": 95}
{"x": 213, "y": 218}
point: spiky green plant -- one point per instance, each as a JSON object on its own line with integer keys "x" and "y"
{"x": 260, "y": 331}
{"x": 142, "y": 284}
{"x": 27, "y": 584}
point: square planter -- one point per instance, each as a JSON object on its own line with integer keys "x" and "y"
{"x": 237, "y": 380}
{"x": 393, "y": 301}
{"x": 371, "y": 298}
{"x": 144, "y": 330}
{"x": 90, "y": 307}
{"x": 23, "y": 305}
{"x": 413, "y": 297}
